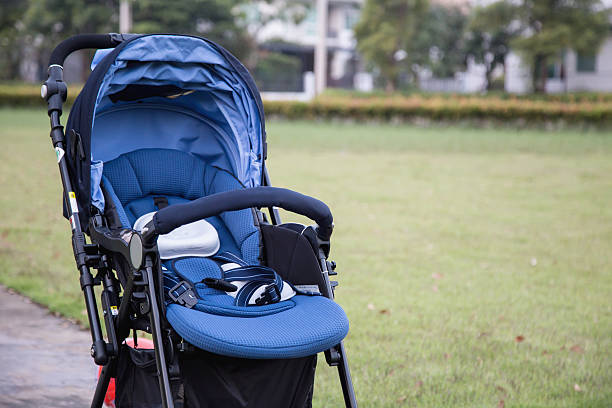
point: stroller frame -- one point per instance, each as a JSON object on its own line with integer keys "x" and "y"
{"x": 143, "y": 291}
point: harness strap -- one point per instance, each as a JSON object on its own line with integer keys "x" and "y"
{"x": 255, "y": 276}
{"x": 160, "y": 202}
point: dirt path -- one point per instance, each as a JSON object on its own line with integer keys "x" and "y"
{"x": 44, "y": 360}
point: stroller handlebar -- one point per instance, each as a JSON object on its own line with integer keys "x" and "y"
{"x": 169, "y": 218}
{"x": 84, "y": 41}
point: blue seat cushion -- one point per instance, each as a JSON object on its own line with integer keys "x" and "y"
{"x": 312, "y": 325}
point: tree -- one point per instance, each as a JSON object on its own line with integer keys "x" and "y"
{"x": 550, "y": 27}
{"x": 384, "y": 33}
{"x": 438, "y": 44}
{"x": 48, "y": 22}
{"x": 490, "y": 30}
{"x": 11, "y": 31}
{"x": 213, "y": 19}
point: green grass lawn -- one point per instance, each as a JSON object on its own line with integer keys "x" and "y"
{"x": 475, "y": 264}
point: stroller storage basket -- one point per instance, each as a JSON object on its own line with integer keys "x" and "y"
{"x": 209, "y": 380}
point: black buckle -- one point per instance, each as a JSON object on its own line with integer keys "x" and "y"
{"x": 270, "y": 295}
{"x": 220, "y": 284}
{"x": 183, "y": 294}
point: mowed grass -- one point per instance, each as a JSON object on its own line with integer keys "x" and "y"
{"x": 474, "y": 264}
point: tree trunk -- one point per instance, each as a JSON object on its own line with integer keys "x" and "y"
{"x": 389, "y": 85}
{"x": 539, "y": 74}
{"x": 488, "y": 74}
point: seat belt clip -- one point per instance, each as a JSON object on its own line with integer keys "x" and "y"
{"x": 270, "y": 295}
{"x": 220, "y": 284}
{"x": 183, "y": 294}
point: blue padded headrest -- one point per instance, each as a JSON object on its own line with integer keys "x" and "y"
{"x": 163, "y": 172}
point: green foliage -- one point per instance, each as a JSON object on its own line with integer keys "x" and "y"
{"x": 278, "y": 72}
{"x": 574, "y": 109}
{"x": 438, "y": 44}
{"x": 490, "y": 31}
{"x": 42, "y": 24}
{"x": 213, "y": 19}
{"x": 48, "y": 22}
{"x": 387, "y": 27}
{"x": 11, "y": 31}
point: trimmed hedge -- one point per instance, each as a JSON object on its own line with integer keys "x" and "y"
{"x": 445, "y": 109}
{"x": 592, "y": 110}
{"x": 28, "y": 95}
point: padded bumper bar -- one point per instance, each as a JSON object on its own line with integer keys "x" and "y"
{"x": 83, "y": 41}
{"x": 169, "y": 218}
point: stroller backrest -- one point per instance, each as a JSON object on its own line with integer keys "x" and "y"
{"x": 135, "y": 182}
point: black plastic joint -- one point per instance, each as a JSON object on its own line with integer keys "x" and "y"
{"x": 333, "y": 357}
{"x": 78, "y": 247}
{"x": 98, "y": 352}
{"x": 86, "y": 279}
{"x": 57, "y": 135}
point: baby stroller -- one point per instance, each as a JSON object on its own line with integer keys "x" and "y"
{"x": 163, "y": 168}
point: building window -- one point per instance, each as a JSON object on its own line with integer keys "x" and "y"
{"x": 585, "y": 63}
{"x": 351, "y": 18}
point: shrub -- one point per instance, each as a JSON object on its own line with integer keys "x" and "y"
{"x": 572, "y": 108}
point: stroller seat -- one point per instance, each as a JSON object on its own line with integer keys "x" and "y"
{"x": 143, "y": 181}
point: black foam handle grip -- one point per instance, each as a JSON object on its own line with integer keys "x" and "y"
{"x": 82, "y": 41}
{"x": 169, "y": 218}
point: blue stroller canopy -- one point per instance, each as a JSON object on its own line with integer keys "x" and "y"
{"x": 165, "y": 91}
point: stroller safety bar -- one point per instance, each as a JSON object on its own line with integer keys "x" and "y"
{"x": 169, "y": 218}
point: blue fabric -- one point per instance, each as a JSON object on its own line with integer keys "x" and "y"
{"x": 133, "y": 179}
{"x": 219, "y": 121}
{"x": 312, "y": 325}
{"x": 125, "y": 222}
{"x": 97, "y": 198}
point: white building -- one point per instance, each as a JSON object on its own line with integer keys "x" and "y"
{"x": 344, "y": 68}
{"x": 571, "y": 72}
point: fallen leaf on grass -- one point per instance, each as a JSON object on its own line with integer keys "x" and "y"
{"x": 519, "y": 339}
{"x": 577, "y": 349}
{"x": 501, "y": 389}
{"x": 371, "y": 306}
{"x": 385, "y": 312}
{"x": 447, "y": 356}
{"x": 437, "y": 276}
{"x": 434, "y": 288}
{"x": 483, "y": 334}
{"x": 577, "y": 388}
{"x": 402, "y": 398}
{"x": 501, "y": 404}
